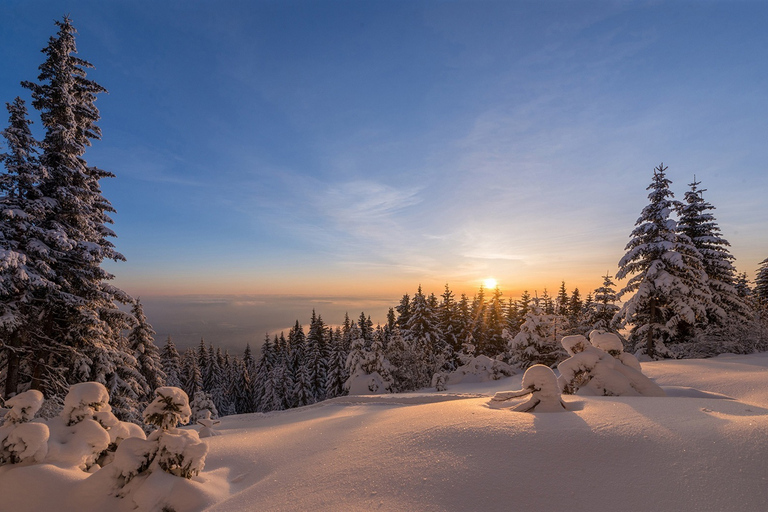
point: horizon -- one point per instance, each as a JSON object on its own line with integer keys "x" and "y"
{"x": 356, "y": 150}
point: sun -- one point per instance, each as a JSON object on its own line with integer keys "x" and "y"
{"x": 490, "y": 283}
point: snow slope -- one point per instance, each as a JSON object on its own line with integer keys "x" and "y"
{"x": 695, "y": 450}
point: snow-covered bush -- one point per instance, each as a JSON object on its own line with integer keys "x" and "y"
{"x": 201, "y": 404}
{"x": 77, "y": 437}
{"x": 540, "y": 382}
{"x": 480, "y": 369}
{"x": 21, "y": 441}
{"x": 118, "y": 432}
{"x": 179, "y": 452}
{"x": 175, "y": 451}
{"x": 593, "y": 371}
{"x": 83, "y": 401}
{"x": 169, "y": 408}
{"x": 612, "y": 344}
{"x": 536, "y": 343}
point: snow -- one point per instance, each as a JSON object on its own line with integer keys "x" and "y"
{"x": 701, "y": 448}
{"x": 479, "y": 369}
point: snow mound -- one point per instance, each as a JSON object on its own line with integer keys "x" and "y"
{"x": 540, "y": 382}
{"x": 592, "y": 371}
{"x": 480, "y": 369}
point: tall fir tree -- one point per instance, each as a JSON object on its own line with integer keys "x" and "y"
{"x": 604, "y": 305}
{"x": 700, "y": 226}
{"x": 82, "y": 311}
{"x": 171, "y": 362}
{"x": 24, "y": 272}
{"x": 666, "y": 278}
{"x": 761, "y": 283}
{"x": 142, "y": 346}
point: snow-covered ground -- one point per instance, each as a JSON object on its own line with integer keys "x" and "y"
{"x": 702, "y": 448}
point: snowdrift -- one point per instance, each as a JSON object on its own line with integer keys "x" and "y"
{"x": 701, "y": 448}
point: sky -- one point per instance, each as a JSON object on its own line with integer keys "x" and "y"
{"x": 274, "y": 157}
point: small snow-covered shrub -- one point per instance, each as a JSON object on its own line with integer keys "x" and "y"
{"x": 612, "y": 344}
{"x": 438, "y": 381}
{"x": 77, "y": 436}
{"x": 118, "y": 432}
{"x": 21, "y": 441}
{"x": 179, "y": 452}
{"x": 540, "y": 382}
{"x": 592, "y": 371}
{"x": 168, "y": 409}
{"x": 362, "y": 383}
{"x": 23, "y": 407}
{"x": 480, "y": 369}
{"x": 26, "y": 442}
{"x": 175, "y": 451}
{"x": 201, "y": 404}
{"x": 83, "y": 401}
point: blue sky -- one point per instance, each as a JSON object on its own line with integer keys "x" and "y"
{"x": 346, "y": 149}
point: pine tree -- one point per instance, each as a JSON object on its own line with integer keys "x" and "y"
{"x": 449, "y": 325}
{"x": 761, "y": 283}
{"x": 605, "y": 307}
{"x": 423, "y": 337}
{"x": 536, "y": 343}
{"x": 667, "y": 278}
{"x": 81, "y": 311}
{"x": 142, "y": 347}
{"x": 561, "y": 301}
{"x": 495, "y": 323}
{"x": 193, "y": 379}
{"x": 337, "y": 359}
{"x": 317, "y": 357}
{"x": 478, "y": 309}
{"x": 701, "y": 228}
{"x": 24, "y": 273}
{"x": 575, "y": 306}
{"x": 171, "y": 362}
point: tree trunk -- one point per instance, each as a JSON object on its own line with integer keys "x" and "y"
{"x": 650, "y": 346}
{"x": 14, "y": 361}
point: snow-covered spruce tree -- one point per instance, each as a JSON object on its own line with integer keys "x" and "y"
{"x": 761, "y": 283}
{"x": 667, "y": 280}
{"x": 700, "y": 226}
{"x": 477, "y": 317}
{"x": 604, "y": 305}
{"x": 536, "y": 342}
{"x": 200, "y": 404}
{"x": 261, "y": 377}
{"x": 317, "y": 356}
{"x": 405, "y": 363}
{"x": 337, "y": 359}
{"x": 449, "y": 324}
{"x": 24, "y": 272}
{"x": 192, "y": 378}
{"x": 424, "y": 339}
{"x": 81, "y": 311}
{"x": 20, "y": 440}
{"x": 175, "y": 451}
{"x": 144, "y": 350}
{"x": 171, "y": 362}
{"x": 495, "y": 322}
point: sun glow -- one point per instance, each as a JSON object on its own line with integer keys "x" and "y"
{"x": 490, "y": 283}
